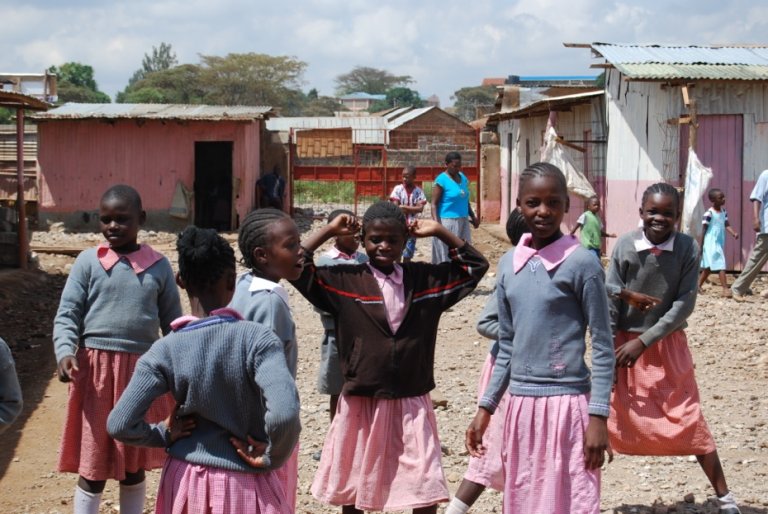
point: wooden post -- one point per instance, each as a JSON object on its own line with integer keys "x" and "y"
{"x": 20, "y": 207}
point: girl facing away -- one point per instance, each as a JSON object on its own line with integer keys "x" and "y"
{"x": 231, "y": 384}
{"x": 555, "y": 434}
{"x": 715, "y": 224}
{"x": 117, "y": 299}
{"x": 382, "y": 450}
{"x": 487, "y": 471}
{"x": 655, "y": 407}
{"x": 270, "y": 244}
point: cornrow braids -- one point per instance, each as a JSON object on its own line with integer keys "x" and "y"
{"x": 663, "y": 189}
{"x": 123, "y": 193}
{"x": 516, "y": 226}
{"x": 204, "y": 256}
{"x": 255, "y": 232}
{"x": 384, "y": 211}
{"x": 543, "y": 169}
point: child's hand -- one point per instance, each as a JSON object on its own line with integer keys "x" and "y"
{"x": 639, "y": 301}
{"x": 735, "y": 235}
{"x": 345, "y": 225}
{"x": 424, "y": 228}
{"x": 179, "y": 426}
{"x": 596, "y": 443}
{"x": 473, "y": 438}
{"x": 628, "y": 353}
{"x": 67, "y": 368}
{"x": 252, "y": 452}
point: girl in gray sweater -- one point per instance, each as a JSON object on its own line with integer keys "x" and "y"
{"x": 237, "y": 415}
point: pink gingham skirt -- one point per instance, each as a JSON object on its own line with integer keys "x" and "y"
{"x": 655, "y": 407}
{"x": 288, "y": 475}
{"x": 382, "y": 455}
{"x": 86, "y": 448}
{"x": 544, "y": 457}
{"x": 187, "y": 488}
{"x": 488, "y": 469}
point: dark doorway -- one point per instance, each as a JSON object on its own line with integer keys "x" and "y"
{"x": 213, "y": 185}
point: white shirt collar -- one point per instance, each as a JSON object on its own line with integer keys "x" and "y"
{"x": 642, "y": 243}
{"x": 262, "y": 284}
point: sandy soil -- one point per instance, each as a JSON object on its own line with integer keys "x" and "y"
{"x": 729, "y": 341}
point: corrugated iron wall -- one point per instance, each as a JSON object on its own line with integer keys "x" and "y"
{"x": 8, "y": 163}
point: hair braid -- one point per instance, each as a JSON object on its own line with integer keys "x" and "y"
{"x": 254, "y": 232}
{"x": 543, "y": 169}
{"x": 663, "y": 189}
{"x": 204, "y": 256}
{"x": 516, "y": 226}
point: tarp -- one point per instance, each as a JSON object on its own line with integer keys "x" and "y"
{"x": 697, "y": 178}
{"x": 553, "y": 153}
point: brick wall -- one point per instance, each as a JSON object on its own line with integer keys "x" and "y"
{"x": 425, "y": 140}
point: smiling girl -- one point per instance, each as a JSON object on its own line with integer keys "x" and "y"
{"x": 655, "y": 408}
{"x": 382, "y": 450}
{"x": 117, "y": 299}
{"x": 550, "y": 289}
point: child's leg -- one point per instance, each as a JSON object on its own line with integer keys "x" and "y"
{"x": 465, "y": 497}
{"x": 426, "y": 510}
{"x": 710, "y": 463}
{"x": 88, "y": 496}
{"x": 703, "y": 277}
{"x": 133, "y": 491}
{"x": 723, "y": 281}
{"x": 350, "y": 509}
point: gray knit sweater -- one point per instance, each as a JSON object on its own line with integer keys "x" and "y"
{"x": 116, "y": 310}
{"x": 232, "y": 376}
{"x": 543, "y": 318}
{"x": 672, "y": 276}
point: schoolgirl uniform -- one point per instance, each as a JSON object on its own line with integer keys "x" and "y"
{"x": 547, "y": 298}
{"x": 382, "y": 450}
{"x": 264, "y": 301}
{"x": 231, "y": 376}
{"x": 112, "y": 310}
{"x": 655, "y": 409}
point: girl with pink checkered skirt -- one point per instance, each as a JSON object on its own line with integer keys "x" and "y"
{"x": 117, "y": 299}
{"x": 237, "y": 415}
{"x": 550, "y": 289}
{"x": 382, "y": 450}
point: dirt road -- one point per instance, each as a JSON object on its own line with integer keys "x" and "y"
{"x": 729, "y": 341}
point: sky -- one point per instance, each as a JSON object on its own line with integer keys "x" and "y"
{"x": 443, "y": 44}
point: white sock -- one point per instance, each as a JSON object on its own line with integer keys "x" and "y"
{"x": 85, "y": 502}
{"x": 132, "y": 498}
{"x": 727, "y": 501}
{"x": 457, "y": 507}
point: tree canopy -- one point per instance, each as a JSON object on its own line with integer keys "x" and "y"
{"x": 76, "y": 83}
{"x": 468, "y": 100}
{"x": 398, "y": 97}
{"x": 162, "y": 58}
{"x": 369, "y": 80}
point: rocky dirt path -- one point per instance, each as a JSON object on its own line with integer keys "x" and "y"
{"x": 729, "y": 341}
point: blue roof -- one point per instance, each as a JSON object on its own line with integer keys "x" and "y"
{"x": 559, "y": 78}
{"x": 362, "y": 96}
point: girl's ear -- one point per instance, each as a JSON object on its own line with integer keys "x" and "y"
{"x": 142, "y": 217}
{"x": 180, "y": 281}
{"x": 259, "y": 255}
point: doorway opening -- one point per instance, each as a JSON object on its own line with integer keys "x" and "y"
{"x": 213, "y": 185}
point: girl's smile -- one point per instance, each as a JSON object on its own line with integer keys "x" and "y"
{"x": 659, "y": 214}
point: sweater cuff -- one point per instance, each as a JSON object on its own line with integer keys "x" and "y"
{"x": 599, "y": 409}
{"x": 488, "y": 404}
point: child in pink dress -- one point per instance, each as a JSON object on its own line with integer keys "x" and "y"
{"x": 382, "y": 450}
{"x": 117, "y": 299}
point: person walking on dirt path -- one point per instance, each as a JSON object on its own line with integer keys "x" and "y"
{"x": 117, "y": 299}
{"x": 715, "y": 224}
{"x": 450, "y": 206}
{"x": 759, "y": 254}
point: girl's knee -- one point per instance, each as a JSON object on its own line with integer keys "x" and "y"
{"x": 133, "y": 478}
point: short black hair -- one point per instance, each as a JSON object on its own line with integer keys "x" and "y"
{"x": 204, "y": 257}
{"x": 384, "y": 211}
{"x": 410, "y": 169}
{"x": 254, "y": 232}
{"x": 663, "y": 189}
{"x": 125, "y": 194}
{"x": 450, "y": 156}
{"x": 516, "y": 226}
{"x": 712, "y": 192}
{"x": 338, "y": 212}
{"x": 543, "y": 169}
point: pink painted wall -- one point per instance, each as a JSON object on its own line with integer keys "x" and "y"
{"x": 79, "y": 159}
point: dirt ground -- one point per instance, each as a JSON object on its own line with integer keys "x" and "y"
{"x": 729, "y": 341}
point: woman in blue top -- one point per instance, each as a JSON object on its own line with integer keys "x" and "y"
{"x": 450, "y": 205}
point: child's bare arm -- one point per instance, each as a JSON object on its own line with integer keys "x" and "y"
{"x": 344, "y": 225}
{"x": 431, "y": 228}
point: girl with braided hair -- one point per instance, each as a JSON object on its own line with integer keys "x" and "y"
{"x": 655, "y": 407}
{"x": 237, "y": 415}
{"x": 382, "y": 450}
{"x": 270, "y": 245}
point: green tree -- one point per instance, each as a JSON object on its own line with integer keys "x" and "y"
{"x": 398, "y": 97}
{"x": 179, "y": 85}
{"x": 470, "y": 100}
{"x": 162, "y": 58}
{"x": 76, "y": 83}
{"x": 6, "y": 115}
{"x": 363, "y": 79}
{"x": 321, "y": 106}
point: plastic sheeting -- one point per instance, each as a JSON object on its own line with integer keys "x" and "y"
{"x": 553, "y": 153}
{"x": 697, "y": 178}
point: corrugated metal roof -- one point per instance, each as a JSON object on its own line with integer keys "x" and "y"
{"x": 362, "y": 96}
{"x": 366, "y": 130}
{"x": 408, "y": 116}
{"x": 657, "y": 62}
{"x": 542, "y": 107}
{"x": 397, "y": 112}
{"x": 693, "y": 71}
{"x": 75, "y": 111}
